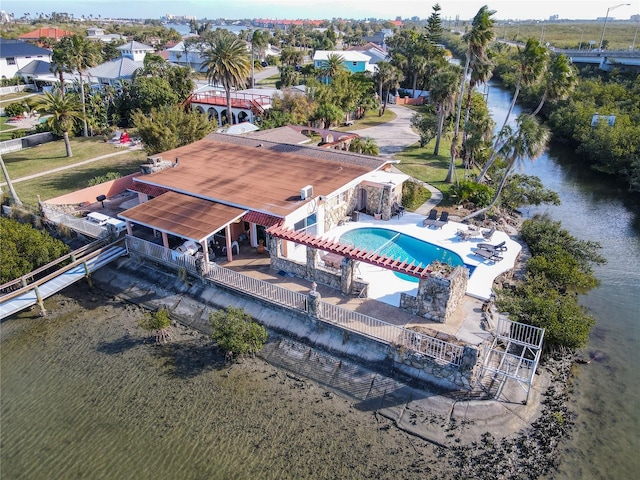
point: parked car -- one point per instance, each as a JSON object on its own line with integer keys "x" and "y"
{"x": 188, "y": 248}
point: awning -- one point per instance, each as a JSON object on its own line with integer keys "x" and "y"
{"x": 182, "y": 215}
{"x": 147, "y": 189}
{"x": 262, "y": 219}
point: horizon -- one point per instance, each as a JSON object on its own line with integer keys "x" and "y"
{"x": 325, "y": 9}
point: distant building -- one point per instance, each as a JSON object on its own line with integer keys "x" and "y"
{"x": 53, "y": 33}
{"x": 17, "y": 54}
{"x": 355, "y": 62}
{"x": 99, "y": 35}
{"x": 121, "y": 69}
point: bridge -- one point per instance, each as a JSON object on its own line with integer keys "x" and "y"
{"x": 605, "y": 59}
{"x": 33, "y": 288}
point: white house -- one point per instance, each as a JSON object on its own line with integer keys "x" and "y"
{"x": 16, "y": 54}
{"x": 114, "y": 72}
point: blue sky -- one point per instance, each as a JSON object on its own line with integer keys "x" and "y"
{"x": 320, "y": 9}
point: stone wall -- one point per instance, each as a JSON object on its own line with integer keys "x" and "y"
{"x": 338, "y": 208}
{"x": 438, "y": 295}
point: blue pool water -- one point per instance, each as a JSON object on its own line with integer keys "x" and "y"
{"x": 399, "y": 246}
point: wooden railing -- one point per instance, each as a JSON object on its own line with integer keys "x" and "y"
{"x": 439, "y": 350}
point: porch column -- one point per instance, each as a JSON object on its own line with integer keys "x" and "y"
{"x": 165, "y": 240}
{"x": 129, "y": 228}
{"x": 253, "y": 234}
{"x": 227, "y": 237}
{"x": 346, "y": 281}
{"x": 205, "y": 250}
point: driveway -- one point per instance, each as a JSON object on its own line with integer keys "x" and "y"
{"x": 394, "y": 136}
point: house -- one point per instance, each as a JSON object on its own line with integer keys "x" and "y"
{"x": 355, "y": 62}
{"x": 374, "y": 52}
{"x": 233, "y": 186}
{"x": 121, "y": 69}
{"x": 17, "y": 54}
{"x": 98, "y": 34}
{"x": 186, "y": 54}
{"x": 39, "y": 33}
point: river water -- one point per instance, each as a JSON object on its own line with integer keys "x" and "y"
{"x": 605, "y": 393}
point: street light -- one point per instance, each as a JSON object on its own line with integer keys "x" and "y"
{"x": 581, "y": 37}
{"x": 606, "y": 18}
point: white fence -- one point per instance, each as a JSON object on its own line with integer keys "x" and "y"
{"x": 439, "y": 350}
{"x": 80, "y": 225}
{"x": 24, "y": 142}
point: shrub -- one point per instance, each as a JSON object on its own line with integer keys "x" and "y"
{"x": 478, "y": 194}
{"x": 414, "y": 194}
{"x": 104, "y": 178}
{"x": 236, "y": 332}
{"x": 14, "y": 109}
{"x": 158, "y": 323}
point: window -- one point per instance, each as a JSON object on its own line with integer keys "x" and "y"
{"x": 11, "y": 60}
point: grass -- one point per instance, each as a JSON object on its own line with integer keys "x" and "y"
{"x": 422, "y": 164}
{"x": 269, "y": 81}
{"x": 13, "y": 97}
{"x": 52, "y": 155}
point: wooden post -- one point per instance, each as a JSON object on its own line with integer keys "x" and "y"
{"x": 87, "y": 274}
{"x": 43, "y": 311}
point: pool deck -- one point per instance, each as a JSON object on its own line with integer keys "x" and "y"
{"x": 385, "y": 286}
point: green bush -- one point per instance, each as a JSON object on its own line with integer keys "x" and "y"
{"x": 236, "y": 332}
{"x": 15, "y": 109}
{"x": 414, "y": 194}
{"x": 104, "y": 178}
{"x": 477, "y": 193}
{"x": 158, "y": 323}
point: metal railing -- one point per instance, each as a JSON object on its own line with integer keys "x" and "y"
{"x": 439, "y": 350}
{"x": 380, "y": 330}
{"x": 77, "y": 224}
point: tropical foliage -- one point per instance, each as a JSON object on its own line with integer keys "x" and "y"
{"x": 236, "y": 332}
{"x": 63, "y": 111}
{"x": 170, "y": 127}
{"x": 24, "y": 249}
{"x": 559, "y": 269}
{"x": 157, "y": 323}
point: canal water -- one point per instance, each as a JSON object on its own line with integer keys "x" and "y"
{"x": 605, "y": 394}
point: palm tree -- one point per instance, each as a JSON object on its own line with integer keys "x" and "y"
{"x": 386, "y": 76}
{"x": 443, "y": 94}
{"x": 527, "y": 142}
{"x": 532, "y": 60}
{"x": 227, "y": 62}
{"x": 64, "y": 110}
{"x": 333, "y": 66}
{"x": 12, "y": 190}
{"x": 366, "y": 146}
{"x": 560, "y": 80}
{"x": 259, "y": 43}
{"x": 478, "y": 39}
{"x": 77, "y": 54}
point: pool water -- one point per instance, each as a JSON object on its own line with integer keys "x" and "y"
{"x": 400, "y": 246}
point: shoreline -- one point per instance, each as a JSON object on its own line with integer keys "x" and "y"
{"x": 104, "y": 325}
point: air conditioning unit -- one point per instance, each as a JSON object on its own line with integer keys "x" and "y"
{"x": 306, "y": 192}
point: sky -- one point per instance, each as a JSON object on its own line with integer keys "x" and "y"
{"x": 326, "y": 9}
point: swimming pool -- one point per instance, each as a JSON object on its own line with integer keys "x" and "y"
{"x": 400, "y": 246}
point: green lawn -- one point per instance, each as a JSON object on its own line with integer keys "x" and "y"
{"x": 56, "y": 184}
{"x": 53, "y": 155}
{"x": 422, "y": 164}
{"x": 13, "y": 97}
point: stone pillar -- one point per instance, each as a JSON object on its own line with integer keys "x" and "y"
{"x": 312, "y": 263}
{"x": 314, "y": 301}
{"x": 346, "y": 280}
{"x": 386, "y": 202}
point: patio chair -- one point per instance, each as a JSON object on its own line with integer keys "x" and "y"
{"x": 431, "y": 219}
{"x": 500, "y": 247}
{"x": 442, "y": 221}
{"x": 397, "y": 210}
{"x": 490, "y": 255}
{"x": 487, "y": 234}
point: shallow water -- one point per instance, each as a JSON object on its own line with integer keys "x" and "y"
{"x": 83, "y": 396}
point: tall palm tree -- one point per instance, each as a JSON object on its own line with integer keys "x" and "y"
{"x": 387, "y": 76}
{"x": 227, "y": 62}
{"x": 532, "y": 60}
{"x": 333, "y": 66}
{"x": 12, "y": 190}
{"x": 443, "y": 94}
{"x": 77, "y": 54}
{"x": 560, "y": 80}
{"x": 527, "y": 142}
{"x": 478, "y": 39}
{"x": 259, "y": 43}
{"x": 64, "y": 111}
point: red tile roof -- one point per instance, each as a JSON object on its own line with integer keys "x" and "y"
{"x": 150, "y": 190}
{"x": 54, "y": 33}
{"x": 262, "y": 219}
